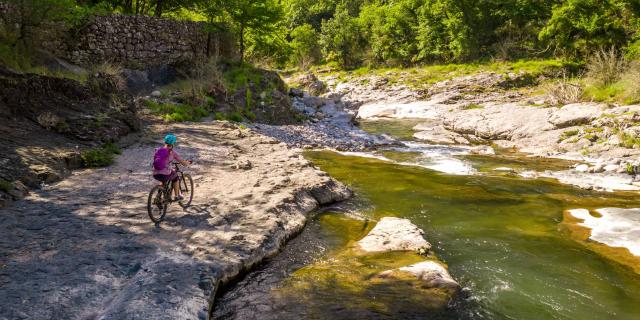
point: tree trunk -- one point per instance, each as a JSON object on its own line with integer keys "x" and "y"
{"x": 242, "y": 44}
{"x": 209, "y": 39}
{"x": 158, "y": 12}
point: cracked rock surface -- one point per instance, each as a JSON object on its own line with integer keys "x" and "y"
{"x": 85, "y": 247}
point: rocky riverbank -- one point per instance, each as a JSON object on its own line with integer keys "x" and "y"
{"x": 504, "y": 111}
{"x": 85, "y": 247}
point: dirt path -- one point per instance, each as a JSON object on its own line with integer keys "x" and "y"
{"x": 85, "y": 248}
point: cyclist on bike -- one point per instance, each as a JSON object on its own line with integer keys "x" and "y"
{"x": 162, "y": 160}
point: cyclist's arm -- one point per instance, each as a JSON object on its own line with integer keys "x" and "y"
{"x": 178, "y": 159}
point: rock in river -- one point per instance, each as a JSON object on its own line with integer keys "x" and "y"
{"x": 395, "y": 234}
{"x": 432, "y": 274}
{"x": 614, "y": 227}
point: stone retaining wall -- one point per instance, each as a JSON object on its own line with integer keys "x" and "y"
{"x": 139, "y": 42}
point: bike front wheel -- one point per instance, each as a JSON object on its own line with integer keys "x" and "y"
{"x": 157, "y": 203}
{"x": 186, "y": 188}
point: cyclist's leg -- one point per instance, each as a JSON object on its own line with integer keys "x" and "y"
{"x": 176, "y": 184}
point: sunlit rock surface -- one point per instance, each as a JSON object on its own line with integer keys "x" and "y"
{"x": 394, "y": 234}
{"x": 615, "y": 227}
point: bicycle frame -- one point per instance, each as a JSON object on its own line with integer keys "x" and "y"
{"x": 168, "y": 185}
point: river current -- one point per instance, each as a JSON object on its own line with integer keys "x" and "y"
{"x": 506, "y": 239}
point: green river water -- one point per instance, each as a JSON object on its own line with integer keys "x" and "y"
{"x": 502, "y": 237}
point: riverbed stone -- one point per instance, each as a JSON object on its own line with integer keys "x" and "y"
{"x": 395, "y": 234}
{"x": 432, "y": 273}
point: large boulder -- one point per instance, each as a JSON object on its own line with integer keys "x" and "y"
{"x": 439, "y": 135}
{"x": 395, "y": 234}
{"x": 576, "y": 114}
{"x": 500, "y": 122}
{"x": 402, "y": 110}
{"x": 311, "y": 83}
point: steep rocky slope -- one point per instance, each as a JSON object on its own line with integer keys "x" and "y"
{"x": 46, "y": 122}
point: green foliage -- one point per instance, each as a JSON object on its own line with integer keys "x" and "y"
{"x": 239, "y": 76}
{"x": 629, "y": 140}
{"x": 578, "y": 26}
{"x": 232, "y": 116}
{"x": 20, "y": 30}
{"x": 391, "y": 31}
{"x": 253, "y": 19}
{"x": 421, "y": 77}
{"x": 5, "y": 185}
{"x": 111, "y": 148}
{"x": 341, "y": 39}
{"x": 403, "y": 32}
{"x": 177, "y": 112}
{"x": 612, "y": 78}
{"x": 472, "y": 106}
{"x": 100, "y": 157}
{"x": 249, "y": 115}
{"x": 305, "y": 45}
{"x": 568, "y": 134}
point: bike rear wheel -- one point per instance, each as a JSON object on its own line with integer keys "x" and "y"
{"x": 157, "y": 203}
{"x": 186, "y": 188}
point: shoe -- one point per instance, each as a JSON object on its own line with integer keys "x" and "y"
{"x": 179, "y": 198}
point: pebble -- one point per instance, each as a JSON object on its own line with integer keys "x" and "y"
{"x": 582, "y": 168}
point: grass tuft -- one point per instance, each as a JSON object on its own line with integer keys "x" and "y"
{"x": 100, "y": 157}
{"x": 5, "y": 185}
{"x": 628, "y": 140}
{"x": 568, "y": 134}
{"x": 171, "y": 112}
{"x": 472, "y": 106}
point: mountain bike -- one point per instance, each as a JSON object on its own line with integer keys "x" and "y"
{"x": 160, "y": 195}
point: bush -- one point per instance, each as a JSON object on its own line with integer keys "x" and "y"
{"x": 250, "y": 115}
{"x": 628, "y": 140}
{"x": 177, "y": 112}
{"x": 568, "y": 134}
{"x": 611, "y": 78}
{"x": 5, "y": 186}
{"x": 100, "y": 157}
{"x": 239, "y": 76}
{"x": 305, "y": 47}
{"x": 604, "y": 67}
{"x": 112, "y": 148}
{"x": 472, "y": 106}
{"x": 235, "y": 117}
{"x": 563, "y": 91}
{"x": 341, "y": 39}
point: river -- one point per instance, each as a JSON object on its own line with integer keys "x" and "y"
{"x": 506, "y": 239}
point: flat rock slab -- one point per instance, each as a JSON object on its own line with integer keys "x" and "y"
{"x": 394, "y": 234}
{"x": 615, "y": 227}
{"x": 576, "y": 114}
{"x": 85, "y": 248}
{"x": 597, "y": 181}
{"x": 440, "y": 135}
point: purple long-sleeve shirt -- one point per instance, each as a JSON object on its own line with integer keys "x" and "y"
{"x": 173, "y": 157}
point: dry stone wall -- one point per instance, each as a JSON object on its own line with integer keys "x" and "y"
{"x": 139, "y": 42}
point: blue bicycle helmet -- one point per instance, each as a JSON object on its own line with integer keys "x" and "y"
{"x": 170, "y": 139}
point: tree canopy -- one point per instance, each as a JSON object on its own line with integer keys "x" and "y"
{"x": 400, "y": 32}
